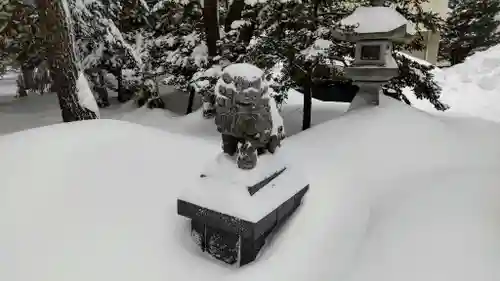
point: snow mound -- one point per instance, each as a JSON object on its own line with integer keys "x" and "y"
{"x": 103, "y": 210}
{"x": 396, "y": 193}
{"x": 443, "y": 226}
{"x": 195, "y": 125}
{"x": 423, "y": 187}
{"x": 471, "y": 88}
{"x": 396, "y": 137}
{"x": 481, "y": 69}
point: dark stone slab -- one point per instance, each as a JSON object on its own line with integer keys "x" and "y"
{"x": 221, "y": 244}
{"x": 233, "y": 240}
{"x": 214, "y": 218}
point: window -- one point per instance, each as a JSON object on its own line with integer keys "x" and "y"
{"x": 370, "y": 52}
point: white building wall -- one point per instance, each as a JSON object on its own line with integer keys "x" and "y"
{"x": 437, "y": 6}
{"x": 432, "y": 39}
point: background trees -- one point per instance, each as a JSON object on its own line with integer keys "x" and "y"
{"x": 471, "y": 26}
{"x": 136, "y": 42}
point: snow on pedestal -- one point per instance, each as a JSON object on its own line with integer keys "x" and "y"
{"x": 232, "y": 210}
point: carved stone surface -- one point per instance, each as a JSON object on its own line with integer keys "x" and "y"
{"x": 233, "y": 240}
{"x": 244, "y": 114}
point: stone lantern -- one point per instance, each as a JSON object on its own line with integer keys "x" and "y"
{"x": 249, "y": 190}
{"x": 376, "y": 28}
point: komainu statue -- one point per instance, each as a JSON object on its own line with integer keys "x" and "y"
{"x": 246, "y": 114}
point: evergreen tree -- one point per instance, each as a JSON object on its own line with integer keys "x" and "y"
{"x": 75, "y": 99}
{"x": 299, "y": 35}
{"x": 180, "y": 49}
{"x": 471, "y": 26}
{"x": 293, "y": 37}
{"x": 134, "y": 15}
{"x": 20, "y": 42}
{"x": 104, "y": 48}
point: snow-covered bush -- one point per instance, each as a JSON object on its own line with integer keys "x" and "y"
{"x": 104, "y": 47}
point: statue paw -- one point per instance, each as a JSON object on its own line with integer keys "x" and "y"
{"x": 247, "y": 156}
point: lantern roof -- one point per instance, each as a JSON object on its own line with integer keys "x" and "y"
{"x": 378, "y": 23}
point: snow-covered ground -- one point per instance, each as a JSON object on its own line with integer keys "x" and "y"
{"x": 36, "y": 111}
{"x": 396, "y": 194}
{"x": 471, "y": 88}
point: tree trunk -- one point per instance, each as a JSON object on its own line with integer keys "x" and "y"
{"x": 192, "y": 93}
{"x": 316, "y": 8}
{"x": 234, "y": 13}
{"x": 211, "y": 23}
{"x": 103, "y": 91}
{"x": 456, "y": 58}
{"x": 61, "y": 59}
{"x": 121, "y": 88}
{"x": 28, "y": 79}
{"x": 99, "y": 86}
{"x": 246, "y": 33}
{"x": 306, "y": 118}
{"x": 21, "y": 86}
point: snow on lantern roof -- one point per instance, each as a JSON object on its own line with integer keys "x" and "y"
{"x": 379, "y": 23}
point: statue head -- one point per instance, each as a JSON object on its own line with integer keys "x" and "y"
{"x": 242, "y": 83}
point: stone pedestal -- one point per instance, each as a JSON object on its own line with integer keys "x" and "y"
{"x": 233, "y": 211}
{"x": 368, "y": 95}
{"x": 370, "y": 79}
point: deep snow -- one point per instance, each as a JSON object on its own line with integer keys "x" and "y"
{"x": 396, "y": 194}
{"x": 471, "y": 88}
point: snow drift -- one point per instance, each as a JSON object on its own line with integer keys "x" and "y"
{"x": 396, "y": 194}
{"x": 471, "y": 88}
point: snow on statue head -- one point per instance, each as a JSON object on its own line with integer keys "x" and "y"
{"x": 246, "y": 115}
